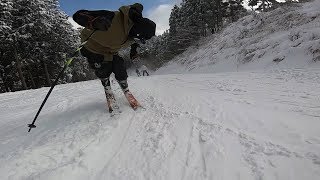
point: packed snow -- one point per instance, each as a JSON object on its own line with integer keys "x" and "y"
{"x": 242, "y": 125}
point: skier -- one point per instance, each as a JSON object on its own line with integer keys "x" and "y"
{"x": 144, "y": 70}
{"x": 110, "y": 31}
{"x": 138, "y": 72}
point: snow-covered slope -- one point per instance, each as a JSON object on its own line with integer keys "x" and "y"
{"x": 244, "y": 125}
{"x": 287, "y": 37}
{"x": 258, "y": 125}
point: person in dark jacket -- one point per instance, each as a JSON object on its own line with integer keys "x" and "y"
{"x": 138, "y": 72}
{"x": 144, "y": 70}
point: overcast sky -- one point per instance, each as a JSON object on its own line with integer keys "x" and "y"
{"x": 157, "y": 10}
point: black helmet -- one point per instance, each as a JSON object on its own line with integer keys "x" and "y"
{"x": 143, "y": 29}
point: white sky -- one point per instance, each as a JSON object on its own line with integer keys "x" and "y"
{"x": 160, "y": 15}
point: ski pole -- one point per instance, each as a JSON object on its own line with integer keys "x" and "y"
{"x": 68, "y": 62}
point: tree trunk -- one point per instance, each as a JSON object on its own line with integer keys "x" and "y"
{"x": 6, "y": 86}
{"x": 33, "y": 84}
{"x": 215, "y": 18}
{"x": 2, "y": 74}
{"x": 3, "y": 82}
{"x": 46, "y": 73}
{"x": 19, "y": 67}
{"x": 219, "y": 17}
{"x": 203, "y": 23}
{"x": 263, "y": 5}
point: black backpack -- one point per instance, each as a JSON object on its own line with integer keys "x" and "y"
{"x": 143, "y": 28}
{"x": 95, "y": 20}
{"x": 101, "y": 19}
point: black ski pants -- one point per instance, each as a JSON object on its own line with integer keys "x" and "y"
{"x": 103, "y": 69}
{"x": 145, "y": 72}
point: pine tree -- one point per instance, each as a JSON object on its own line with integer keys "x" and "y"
{"x": 38, "y": 38}
{"x": 6, "y": 61}
{"x": 174, "y": 23}
{"x": 235, "y": 10}
{"x": 263, "y": 5}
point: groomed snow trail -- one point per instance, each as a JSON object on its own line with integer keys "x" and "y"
{"x": 248, "y": 125}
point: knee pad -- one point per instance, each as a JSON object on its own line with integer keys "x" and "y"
{"x": 124, "y": 85}
{"x": 106, "y": 84}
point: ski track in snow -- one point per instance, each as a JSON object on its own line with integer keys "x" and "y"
{"x": 248, "y": 125}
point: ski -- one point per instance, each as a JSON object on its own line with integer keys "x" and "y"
{"x": 113, "y": 106}
{"x": 132, "y": 100}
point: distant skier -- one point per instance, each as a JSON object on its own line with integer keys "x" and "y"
{"x": 144, "y": 70}
{"x": 138, "y": 72}
{"x": 110, "y": 31}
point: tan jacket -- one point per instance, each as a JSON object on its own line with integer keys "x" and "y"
{"x": 108, "y": 43}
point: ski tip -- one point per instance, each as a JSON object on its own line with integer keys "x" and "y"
{"x": 139, "y": 108}
{"x": 110, "y": 110}
{"x": 115, "y": 114}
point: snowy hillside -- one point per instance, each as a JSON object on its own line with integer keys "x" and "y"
{"x": 285, "y": 37}
{"x": 209, "y": 127}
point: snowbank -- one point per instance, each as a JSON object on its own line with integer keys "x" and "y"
{"x": 287, "y": 37}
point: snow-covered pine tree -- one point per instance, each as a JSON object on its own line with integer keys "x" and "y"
{"x": 184, "y": 26}
{"x": 213, "y": 13}
{"x": 40, "y": 37}
{"x": 156, "y": 51}
{"x": 263, "y": 5}
{"x": 6, "y": 60}
{"x": 174, "y": 23}
{"x": 235, "y": 10}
